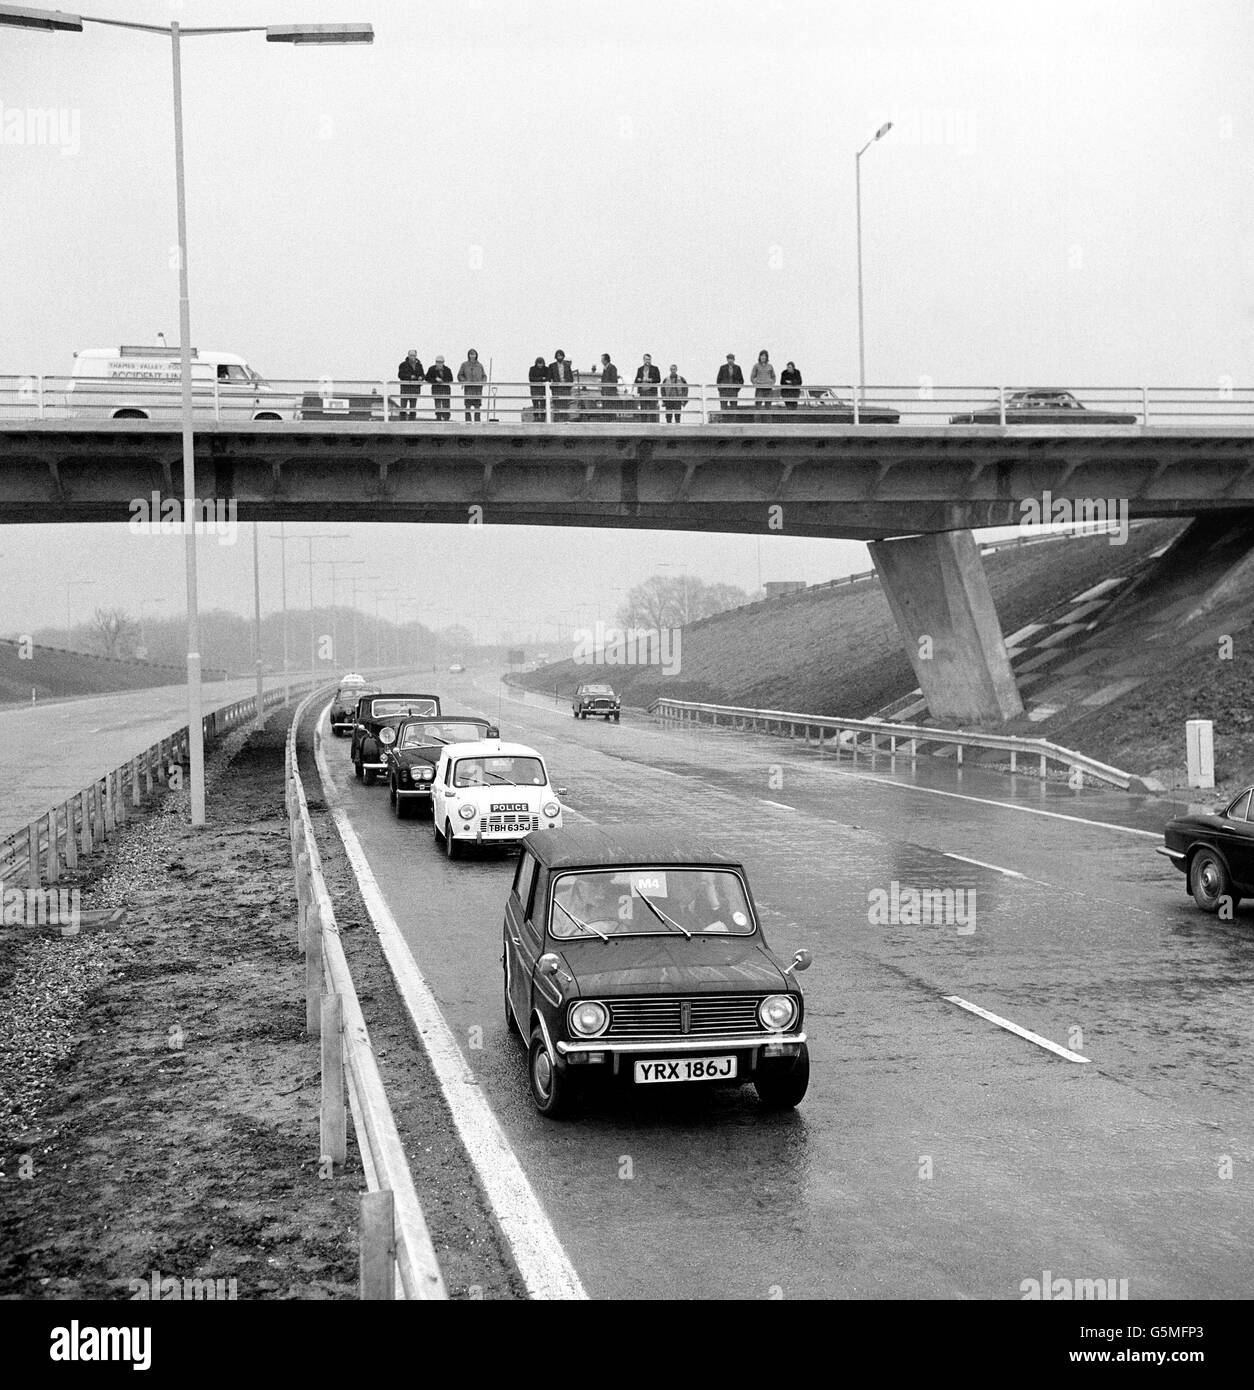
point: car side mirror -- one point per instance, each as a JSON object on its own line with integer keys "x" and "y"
{"x": 561, "y": 791}
{"x": 548, "y": 964}
{"x": 801, "y": 961}
{"x": 493, "y": 732}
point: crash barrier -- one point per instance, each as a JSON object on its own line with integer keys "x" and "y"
{"x": 396, "y": 1246}
{"x": 586, "y": 400}
{"x": 55, "y": 840}
{"x": 878, "y": 737}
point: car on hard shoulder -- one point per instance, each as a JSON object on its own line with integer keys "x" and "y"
{"x": 456, "y": 668}
{"x": 635, "y": 958}
{"x": 597, "y": 700}
{"x": 374, "y": 727}
{"x": 1042, "y": 405}
{"x": 344, "y": 702}
{"x": 490, "y": 794}
{"x": 1214, "y": 850}
{"x": 414, "y": 754}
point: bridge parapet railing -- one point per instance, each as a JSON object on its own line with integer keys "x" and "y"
{"x": 586, "y": 400}
{"x": 876, "y": 736}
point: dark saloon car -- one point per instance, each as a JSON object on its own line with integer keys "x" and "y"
{"x": 344, "y": 705}
{"x": 358, "y": 406}
{"x": 597, "y": 700}
{"x": 1042, "y": 405}
{"x": 636, "y": 958}
{"x": 412, "y": 756}
{"x": 374, "y": 727}
{"x": 1215, "y": 852}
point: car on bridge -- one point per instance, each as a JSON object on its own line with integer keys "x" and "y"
{"x": 597, "y": 700}
{"x": 1215, "y": 852}
{"x": 819, "y": 405}
{"x": 344, "y": 702}
{"x": 374, "y": 727}
{"x": 636, "y": 957}
{"x": 143, "y": 382}
{"x": 344, "y": 405}
{"x": 491, "y": 794}
{"x": 1042, "y": 406}
{"x": 412, "y": 756}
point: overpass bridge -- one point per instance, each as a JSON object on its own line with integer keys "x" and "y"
{"x": 914, "y": 490}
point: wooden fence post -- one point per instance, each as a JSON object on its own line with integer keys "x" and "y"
{"x": 109, "y": 822}
{"x": 119, "y": 795}
{"x": 71, "y": 843}
{"x": 32, "y": 850}
{"x": 313, "y": 971}
{"x": 332, "y": 1128}
{"x": 148, "y": 773}
{"x": 135, "y": 781}
{"x": 54, "y": 869}
{"x": 84, "y": 798}
{"x": 378, "y": 1245}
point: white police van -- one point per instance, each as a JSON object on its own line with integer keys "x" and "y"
{"x": 145, "y": 383}
{"x": 491, "y": 793}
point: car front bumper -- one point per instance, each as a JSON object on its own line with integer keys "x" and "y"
{"x": 1177, "y": 856}
{"x": 632, "y": 1047}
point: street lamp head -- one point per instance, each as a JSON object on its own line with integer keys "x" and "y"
{"x": 319, "y": 33}
{"x": 883, "y": 130}
{"x": 17, "y": 17}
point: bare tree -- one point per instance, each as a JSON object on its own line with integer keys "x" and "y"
{"x": 670, "y": 602}
{"x": 115, "y": 632}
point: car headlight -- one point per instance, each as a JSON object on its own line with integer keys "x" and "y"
{"x": 551, "y": 810}
{"x": 589, "y": 1018}
{"x": 777, "y": 1012}
{"x": 467, "y": 812}
{"x": 425, "y": 773}
{"x": 387, "y": 736}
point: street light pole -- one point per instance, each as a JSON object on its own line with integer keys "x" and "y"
{"x": 857, "y": 175}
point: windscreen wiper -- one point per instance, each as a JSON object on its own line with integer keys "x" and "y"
{"x": 660, "y": 915}
{"x": 592, "y": 931}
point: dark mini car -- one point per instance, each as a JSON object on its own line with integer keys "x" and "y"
{"x": 374, "y": 727}
{"x": 1215, "y": 852}
{"x": 635, "y": 957}
{"x": 1042, "y": 405}
{"x": 597, "y": 700}
{"x": 412, "y": 756}
{"x": 344, "y": 704}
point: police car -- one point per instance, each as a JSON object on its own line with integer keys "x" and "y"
{"x": 491, "y": 793}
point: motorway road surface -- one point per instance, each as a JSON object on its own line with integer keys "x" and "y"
{"x": 937, "y": 1154}
{"x": 50, "y": 751}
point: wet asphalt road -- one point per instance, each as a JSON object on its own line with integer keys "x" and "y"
{"x": 936, "y": 1154}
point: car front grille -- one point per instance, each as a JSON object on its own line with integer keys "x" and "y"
{"x": 684, "y": 1016}
{"x": 601, "y": 704}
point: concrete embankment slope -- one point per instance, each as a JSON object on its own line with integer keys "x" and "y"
{"x": 54, "y": 673}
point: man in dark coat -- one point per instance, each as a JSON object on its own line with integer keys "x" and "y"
{"x": 609, "y": 387}
{"x": 729, "y": 381}
{"x": 647, "y": 379}
{"x": 439, "y": 375}
{"x": 538, "y": 376}
{"x": 561, "y": 373}
{"x": 410, "y": 374}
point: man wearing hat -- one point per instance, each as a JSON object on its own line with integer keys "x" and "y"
{"x": 730, "y": 379}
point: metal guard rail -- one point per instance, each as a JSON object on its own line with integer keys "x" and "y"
{"x": 692, "y": 712}
{"x": 328, "y": 981}
{"x": 56, "y": 838}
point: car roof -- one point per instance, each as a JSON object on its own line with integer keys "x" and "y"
{"x": 402, "y": 695}
{"x": 493, "y": 748}
{"x": 597, "y": 846}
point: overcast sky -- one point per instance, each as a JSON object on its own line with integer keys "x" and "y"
{"x": 1064, "y": 199}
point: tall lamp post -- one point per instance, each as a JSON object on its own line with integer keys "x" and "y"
{"x": 54, "y": 20}
{"x": 857, "y": 178}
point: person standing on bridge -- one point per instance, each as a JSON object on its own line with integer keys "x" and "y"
{"x": 730, "y": 379}
{"x": 647, "y": 377}
{"x": 674, "y": 395}
{"x": 472, "y": 376}
{"x": 410, "y": 375}
{"x": 763, "y": 378}
{"x": 561, "y": 373}
{"x": 790, "y": 385}
{"x": 439, "y": 376}
{"x": 609, "y": 388}
{"x": 538, "y": 377}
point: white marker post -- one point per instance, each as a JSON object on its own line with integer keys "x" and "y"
{"x": 1199, "y": 737}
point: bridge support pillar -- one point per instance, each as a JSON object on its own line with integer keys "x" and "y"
{"x": 939, "y": 596}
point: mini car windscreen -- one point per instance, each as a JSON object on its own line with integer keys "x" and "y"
{"x": 598, "y": 690}
{"x": 650, "y": 902}
{"x": 427, "y": 735}
{"x": 382, "y": 709}
{"x": 499, "y": 770}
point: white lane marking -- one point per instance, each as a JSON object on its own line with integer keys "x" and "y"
{"x": 766, "y": 801}
{"x": 979, "y": 863}
{"x": 1014, "y": 1028}
{"x": 990, "y": 801}
{"x": 542, "y": 1262}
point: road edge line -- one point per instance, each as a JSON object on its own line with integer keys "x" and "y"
{"x": 1036, "y": 1038}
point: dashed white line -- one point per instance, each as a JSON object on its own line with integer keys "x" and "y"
{"x": 1014, "y": 1028}
{"x": 979, "y": 863}
{"x": 766, "y": 801}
